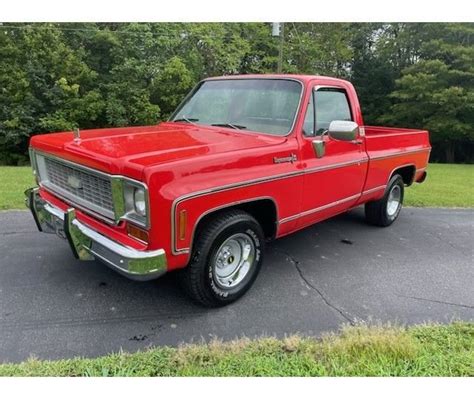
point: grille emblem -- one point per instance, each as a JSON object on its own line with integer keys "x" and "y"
{"x": 74, "y": 182}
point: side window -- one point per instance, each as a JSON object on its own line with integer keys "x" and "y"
{"x": 331, "y": 105}
{"x": 308, "y": 126}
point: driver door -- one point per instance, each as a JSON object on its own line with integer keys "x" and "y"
{"x": 333, "y": 181}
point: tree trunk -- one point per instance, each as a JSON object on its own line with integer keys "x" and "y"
{"x": 449, "y": 152}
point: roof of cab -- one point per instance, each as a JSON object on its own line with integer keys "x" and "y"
{"x": 301, "y": 78}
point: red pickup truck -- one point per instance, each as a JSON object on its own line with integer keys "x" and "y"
{"x": 243, "y": 160}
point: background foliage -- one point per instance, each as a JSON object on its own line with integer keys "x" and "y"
{"x": 55, "y": 77}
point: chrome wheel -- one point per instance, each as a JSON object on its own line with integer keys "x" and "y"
{"x": 393, "y": 202}
{"x": 233, "y": 260}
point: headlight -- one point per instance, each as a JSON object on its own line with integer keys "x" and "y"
{"x": 135, "y": 203}
{"x": 39, "y": 167}
{"x": 139, "y": 201}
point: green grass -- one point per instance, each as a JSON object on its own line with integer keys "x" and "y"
{"x": 426, "y": 350}
{"x": 14, "y": 180}
{"x": 446, "y": 186}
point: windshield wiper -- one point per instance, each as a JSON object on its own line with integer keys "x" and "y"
{"x": 231, "y": 125}
{"x": 184, "y": 119}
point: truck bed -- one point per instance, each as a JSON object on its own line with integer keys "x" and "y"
{"x": 385, "y": 140}
{"x": 390, "y": 148}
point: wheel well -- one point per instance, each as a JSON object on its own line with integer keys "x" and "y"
{"x": 263, "y": 210}
{"x": 406, "y": 172}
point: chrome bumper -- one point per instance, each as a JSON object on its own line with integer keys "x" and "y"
{"x": 88, "y": 244}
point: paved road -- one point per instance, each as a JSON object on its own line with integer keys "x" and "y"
{"x": 420, "y": 269}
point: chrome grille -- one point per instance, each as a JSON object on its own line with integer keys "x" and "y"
{"x": 92, "y": 191}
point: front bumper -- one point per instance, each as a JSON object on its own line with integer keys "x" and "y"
{"x": 88, "y": 244}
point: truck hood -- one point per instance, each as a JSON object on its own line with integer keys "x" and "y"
{"x": 129, "y": 150}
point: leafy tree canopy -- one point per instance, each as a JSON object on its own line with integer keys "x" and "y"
{"x": 55, "y": 77}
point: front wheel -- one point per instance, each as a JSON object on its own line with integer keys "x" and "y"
{"x": 225, "y": 260}
{"x": 385, "y": 211}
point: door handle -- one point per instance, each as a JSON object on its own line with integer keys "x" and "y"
{"x": 358, "y": 142}
{"x": 292, "y": 158}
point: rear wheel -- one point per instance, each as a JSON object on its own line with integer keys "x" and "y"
{"x": 385, "y": 211}
{"x": 226, "y": 259}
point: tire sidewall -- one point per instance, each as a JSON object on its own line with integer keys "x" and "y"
{"x": 253, "y": 230}
{"x": 394, "y": 181}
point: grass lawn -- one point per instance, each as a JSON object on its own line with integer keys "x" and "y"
{"x": 426, "y": 350}
{"x": 14, "y": 180}
{"x": 445, "y": 186}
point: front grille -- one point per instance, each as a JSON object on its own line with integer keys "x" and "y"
{"x": 83, "y": 187}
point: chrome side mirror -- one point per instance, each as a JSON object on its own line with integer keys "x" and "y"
{"x": 319, "y": 147}
{"x": 343, "y": 130}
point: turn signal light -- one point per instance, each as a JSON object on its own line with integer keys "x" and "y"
{"x": 183, "y": 219}
{"x": 137, "y": 232}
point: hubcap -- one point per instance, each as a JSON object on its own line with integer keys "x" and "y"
{"x": 393, "y": 202}
{"x": 233, "y": 260}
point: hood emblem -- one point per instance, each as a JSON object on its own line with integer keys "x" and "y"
{"x": 74, "y": 182}
{"x": 77, "y": 135}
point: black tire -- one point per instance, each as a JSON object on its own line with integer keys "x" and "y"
{"x": 200, "y": 280}
{"x": 377, "y": 212}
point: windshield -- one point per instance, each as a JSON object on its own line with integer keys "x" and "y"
{"x": 261, "y": 105}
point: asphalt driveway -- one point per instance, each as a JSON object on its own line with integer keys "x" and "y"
{"x": 340, "y": 271}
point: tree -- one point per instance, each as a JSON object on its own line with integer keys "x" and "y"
{"x": 172, "y": 84}
{"x": 55, "y": 77}
{"x": 318, "y": 49}
{"x": 437, "y": 92}
{"x": 381, "y": 52}
{"x": 45, "y": 87}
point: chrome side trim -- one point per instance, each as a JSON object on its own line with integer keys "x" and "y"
{"x": 228, "y": 205}
{"x": 318, "y": 209}
{"x": 177, "y": 201}
{"x": 397, "y": 154}
{"x": 395, "y": 134}
{"x": 373, "y": 190}
{"x": 336, "y": 165}
{"x": 237, "y": 185}
{"x": 383, "y": 187}
{"x": 231, "y": 186}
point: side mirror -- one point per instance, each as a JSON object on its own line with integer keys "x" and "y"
{"x": 319, "y": 147}
{"x": 343, "y": 130}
